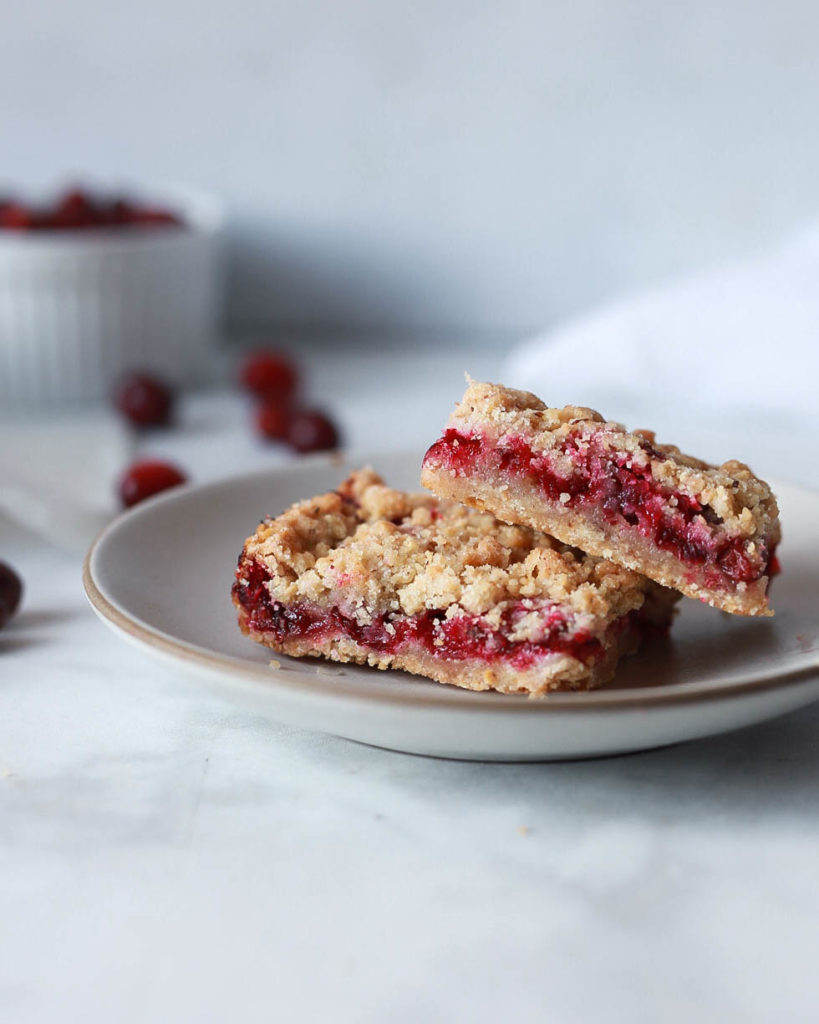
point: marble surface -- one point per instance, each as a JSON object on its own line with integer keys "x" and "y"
{"x": 165, "y": 857}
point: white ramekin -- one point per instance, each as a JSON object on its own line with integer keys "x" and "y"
{"x": 77, "y": 308}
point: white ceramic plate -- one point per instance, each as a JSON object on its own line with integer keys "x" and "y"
{"x": 160, "y": 575}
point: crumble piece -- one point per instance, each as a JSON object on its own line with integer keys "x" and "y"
{"x": 377, "y": 576}
{"x": 708, "y": 531}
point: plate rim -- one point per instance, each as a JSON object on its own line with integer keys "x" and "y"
{"x": 444, "y": 698}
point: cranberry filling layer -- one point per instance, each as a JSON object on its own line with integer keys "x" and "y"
{"x": 460, "y": 638}
{"x": 625, "y": 491}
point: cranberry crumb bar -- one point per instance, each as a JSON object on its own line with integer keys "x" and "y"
{"x": 373, "y": 575}
{"x": 708, "y": 531}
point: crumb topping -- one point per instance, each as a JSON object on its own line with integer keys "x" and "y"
{"x": 743, "y": 501}
{"x": 371, "y": 550}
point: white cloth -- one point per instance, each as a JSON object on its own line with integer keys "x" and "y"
{"x": 733, "y": 351}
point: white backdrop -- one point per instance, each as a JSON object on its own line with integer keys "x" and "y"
{"x": 489, "y": 164}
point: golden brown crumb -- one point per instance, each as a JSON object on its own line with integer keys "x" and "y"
{"x": 386, "y": 550}
{"x": 739, "y": 504}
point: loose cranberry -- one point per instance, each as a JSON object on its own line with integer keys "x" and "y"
{"x": 311, "y": 431}
{"x": 11, "y": 590}
{"x": 144, "y": 400}
{"x": 268, "y": 374}
{"x": 120, "y": 211}
{"x": 75, "y": 209}
{"x": 145, "y": 479}
{"x": 16, "y": 216}
{"x": 273, "y": 419}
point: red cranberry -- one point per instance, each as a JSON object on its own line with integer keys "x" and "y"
{"x": 273, "y": 419}
{"x": 11, "y": 590}
{"x": 144, "y": 400}
{"x": 75, "y": 209}
{"x": 16, "y": 216}
{"x": 145, "y": 479}
{"x": 120, "y": 211}
{"x": 311, "y": 431}
{"x": 268, "y": 374}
